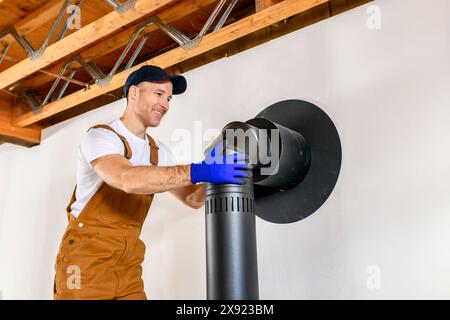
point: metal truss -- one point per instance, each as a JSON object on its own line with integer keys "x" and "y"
{"x": 36, "y": 54}
{"x": 102, "y": 79}
{"x": 23, "y": 42}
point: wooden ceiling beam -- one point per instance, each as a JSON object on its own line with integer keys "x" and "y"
{"x": 338, "y": 6}
{"x": 263, "y": 4}
{"x": 241, "y": 28}
{"x": 118, "y": 41}
{"x": 76, "y": 41}
{"x": 27, "y": 137}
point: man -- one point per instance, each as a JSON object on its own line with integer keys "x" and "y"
{"x": 120, "y": 169}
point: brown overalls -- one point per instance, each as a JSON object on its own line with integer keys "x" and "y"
{"x": 100, "y": 254}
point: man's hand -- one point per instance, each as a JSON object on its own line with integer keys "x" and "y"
{"x": 217, "y": 168}
{"x": 193, "y": 196}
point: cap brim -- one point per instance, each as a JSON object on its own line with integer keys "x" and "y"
{"x": 179, "y": 84}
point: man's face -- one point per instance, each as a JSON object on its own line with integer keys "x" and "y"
{"x": 151, "y": 101}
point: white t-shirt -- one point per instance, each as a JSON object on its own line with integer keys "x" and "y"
{"x": 99, "y": 142}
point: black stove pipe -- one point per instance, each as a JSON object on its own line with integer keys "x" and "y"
{"x": 231, "y": 250}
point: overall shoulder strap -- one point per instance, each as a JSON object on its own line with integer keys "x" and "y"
{"x": 153, "y": 151}
{"x": 128, "y": 152}
{"x": 127, "y": 155}
{"x": 72, "y": 200}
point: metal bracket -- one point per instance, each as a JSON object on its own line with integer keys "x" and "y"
{"x": 187, "y": 43}
{"x": 30, "y": 98}
{"x": 3, "y": 54}
{"x": 69, "y": 20}
{"x": 122, "y": 7}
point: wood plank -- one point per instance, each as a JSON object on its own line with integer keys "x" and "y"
{"x": 84, "y": 107}
{"x": 338, "y": 6}
{"x": 13, "y": 11}
{"x": 87, "y": 35}
{"x": 118, "y": 41}
{"x": 29, "y": 136}
{"x": 263, "y": 4}
{"x": 241, "y": 28}
{"x": 355, "y": 3}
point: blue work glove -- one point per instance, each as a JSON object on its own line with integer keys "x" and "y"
{"x": 220, "y": 168}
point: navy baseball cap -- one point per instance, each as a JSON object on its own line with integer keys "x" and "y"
{"x": 154, "y": 73}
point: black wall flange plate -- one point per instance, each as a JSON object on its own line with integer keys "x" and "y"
{"x": 309, "y": 195}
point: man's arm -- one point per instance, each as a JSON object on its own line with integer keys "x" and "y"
{"x": 119, "y": 173}
{"x": 192, "y": 196}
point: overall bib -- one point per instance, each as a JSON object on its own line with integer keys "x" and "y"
{"x": 100, "y": 254}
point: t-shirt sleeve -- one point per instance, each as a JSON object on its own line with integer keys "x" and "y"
{"x": 99, "y": 142}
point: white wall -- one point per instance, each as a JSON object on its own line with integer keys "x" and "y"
{"x": 388, "y": 93}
